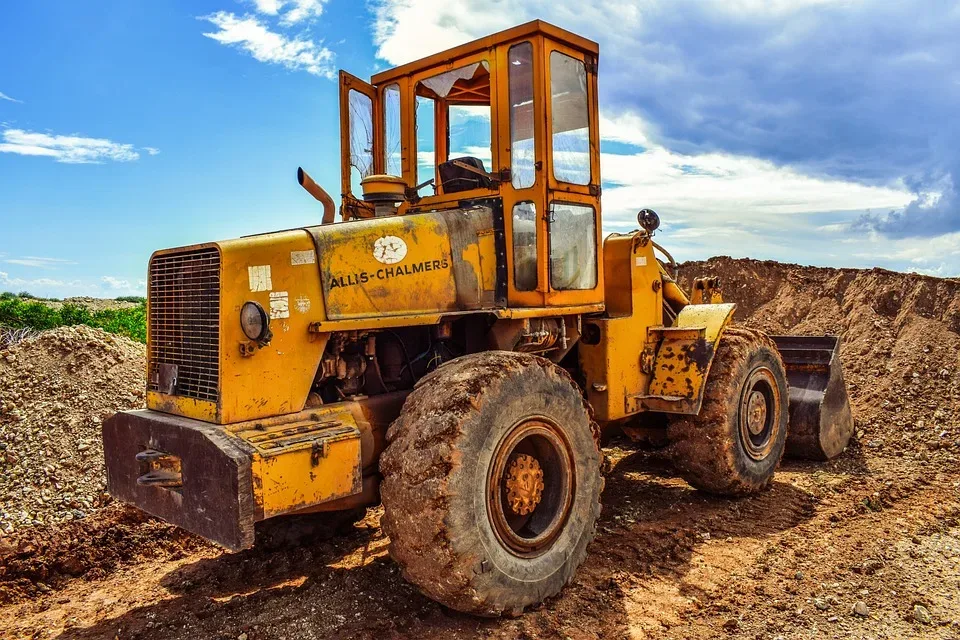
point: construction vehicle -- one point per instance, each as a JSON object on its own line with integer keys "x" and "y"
{"x": 458, "y": 346}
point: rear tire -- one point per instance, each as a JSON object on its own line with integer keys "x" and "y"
{"x": 734, "y": 445}
{"x": 491, "y": 483}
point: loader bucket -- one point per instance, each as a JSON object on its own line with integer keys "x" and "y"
{"x": 820, "y": 420}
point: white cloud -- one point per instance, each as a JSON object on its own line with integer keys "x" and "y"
{"x": 115, "y": 283}
{"x": 717, "y": 186}
{"x": 269, "y": 7}
{"x": 7, "y": 281}
{"x": 72, "y": 149}
{"x": 254, "y": 37}
{"x": 152, "y": 150}
{"x": 112, "y": 285}
{"x": 405, "y": 30}
{"x": 296, "y": 10}
{"x": 626, "y": 127}
{"x": 303, "y": 10}
{"x": 39, "y": 262}
{"x": 4, "y": 96}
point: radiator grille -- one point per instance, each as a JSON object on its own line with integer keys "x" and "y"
{"x": 185, "y": 321}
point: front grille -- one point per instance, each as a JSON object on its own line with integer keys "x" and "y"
{"x": 185, "y": 323}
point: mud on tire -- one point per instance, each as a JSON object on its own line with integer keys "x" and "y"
{"x": 717, "y": 451}
{"x": 441, "y": 497}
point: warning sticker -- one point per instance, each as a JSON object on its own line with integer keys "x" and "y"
{"x": 303, "y": 304}
{"x": 303, "y": 257}
{"x": 279, "y": 305}
{"x": 260, "y": 278}
{"x": 641, "y": 261}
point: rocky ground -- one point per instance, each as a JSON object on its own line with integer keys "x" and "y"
{"x": 866, "y": 546}
{"x": 55, "y": 390}
{"x": 93, "y": 304}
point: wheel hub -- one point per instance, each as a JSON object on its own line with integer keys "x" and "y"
{"x": 756, "y": 412}
{"x": 524, "y": 484}
{"x": 530, "y": 486}
{"x": 759, "y": 413}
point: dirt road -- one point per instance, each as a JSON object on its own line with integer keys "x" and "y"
{"x": 867, "y": 546}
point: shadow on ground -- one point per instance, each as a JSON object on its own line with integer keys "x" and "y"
{"x": 651, "y": 525}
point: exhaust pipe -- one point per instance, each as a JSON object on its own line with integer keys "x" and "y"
{"x": 329, "y": 208}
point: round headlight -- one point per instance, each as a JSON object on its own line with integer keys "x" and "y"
{"x": 254, "y": 321}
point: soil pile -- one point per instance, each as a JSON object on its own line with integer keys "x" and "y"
{"x": 900, "y": 347}
{"x": 55, "y": 390}
{"x": 867, "y": 545}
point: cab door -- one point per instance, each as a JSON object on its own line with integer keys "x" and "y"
{"x": 522, "y": 150}
{"x": 359, "y": 142}
{"x": 572, "y": 210}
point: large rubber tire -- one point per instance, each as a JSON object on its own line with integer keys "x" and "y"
{"x": 436, "y": 482}
{"x": 713, "y": 451}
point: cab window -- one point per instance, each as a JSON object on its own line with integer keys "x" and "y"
{"x": 570, "y": 124}
{"x": 426, "y": 138}
{"x": 463, "y": 156}
{"x": 520, "y": 70}
{"x": 391, "y": 122}
{"x": 525, "y": 246}
{"x": 573, "y": 246}
{"x": 361, "y": 138}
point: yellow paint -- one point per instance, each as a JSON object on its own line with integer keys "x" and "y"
{"x": 414, "y": 272}
{"x": 182, "y": 406}
{"x": 712, "y": 317}
{"x": 303, "y": 463}
{"x": 684, "y": 357}
{"x": 277, "y": 378}
{"x": 613, "y": 366}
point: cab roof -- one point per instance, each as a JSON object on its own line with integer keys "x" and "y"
{"x": 527, "y": 29}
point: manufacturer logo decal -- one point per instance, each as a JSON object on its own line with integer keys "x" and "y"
{"x": 389, "y": 249}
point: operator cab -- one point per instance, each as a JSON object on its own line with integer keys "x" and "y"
{"x": 508, "y": 121}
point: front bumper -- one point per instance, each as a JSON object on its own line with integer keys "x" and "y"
{"x": 217, "y": 481}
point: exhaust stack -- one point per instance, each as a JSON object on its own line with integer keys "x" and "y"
{"x": 329, "y": 208}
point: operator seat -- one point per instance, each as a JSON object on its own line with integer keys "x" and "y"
{"x": 454, "y": 179}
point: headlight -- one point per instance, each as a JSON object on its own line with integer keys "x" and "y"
{"x": 254, "y": 321}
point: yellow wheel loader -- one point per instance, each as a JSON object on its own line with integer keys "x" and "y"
{"x": 458, "y": 345}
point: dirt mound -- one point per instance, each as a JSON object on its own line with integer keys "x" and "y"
{"x": 866, "y": 545}
{"x": 34, "y": 560}
{"x": 900, "y": 347}
{"x": 55, "y": 390}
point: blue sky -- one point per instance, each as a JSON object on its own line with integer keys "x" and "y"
{"x": 816, "y": 131}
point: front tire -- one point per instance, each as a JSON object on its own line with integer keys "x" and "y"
{"x": 734, "y": 445}
{"x": 491, "y": 483}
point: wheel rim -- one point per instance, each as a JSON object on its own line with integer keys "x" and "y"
{"x": 530, "y": 487}
{"x": 759, "y": 415}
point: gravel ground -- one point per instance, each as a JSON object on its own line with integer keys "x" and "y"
{"x": 55, "y": 390}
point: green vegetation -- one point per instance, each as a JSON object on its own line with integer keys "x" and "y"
{"x": 19, "y": 313}
{"x": 137, "y": 299}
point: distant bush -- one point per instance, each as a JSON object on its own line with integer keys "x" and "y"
{"x": 18, "y": 313}
{"x": 26, "y": 295}
{"x": 136, "y": 299}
